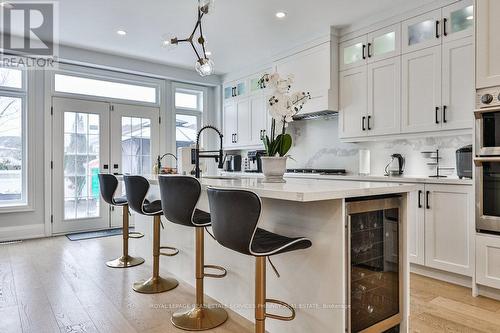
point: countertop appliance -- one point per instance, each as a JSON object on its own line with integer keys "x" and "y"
{"x": 318, "y": 171}
{"x": 487, "y": 160}
{"x": 374, "y": 264}
{"x": 464, "y": 162}
{"x": 233, "y": 163}
{"x": 254, "y": 161}
{"x": 396, "y": 165}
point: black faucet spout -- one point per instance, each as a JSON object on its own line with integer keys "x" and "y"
{"x": 218, "y": 158}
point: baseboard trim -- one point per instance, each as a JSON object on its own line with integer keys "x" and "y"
{"x": 461, "y": 280}
{"x": 22, "y": 232}
{"x": 488, "y": 292}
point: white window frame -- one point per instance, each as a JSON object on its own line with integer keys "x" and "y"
{"x": 199, "y": 112}
{"x": 26, "y": 94}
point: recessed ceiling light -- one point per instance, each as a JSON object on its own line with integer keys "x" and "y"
{"x": 121, "y": 32}
{"x": 280, "y": 15}
{"x": 470, "y": 17}
{"x": 208, "y": 53}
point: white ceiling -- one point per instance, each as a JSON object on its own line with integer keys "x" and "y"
{"x": 239, "y": 32}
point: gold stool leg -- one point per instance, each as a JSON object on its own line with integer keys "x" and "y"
{"x": 201, "y": 317}
{"x": 155, "y": 284}
{"x": 125, "y": 260}
{"x": 260, "y": 295}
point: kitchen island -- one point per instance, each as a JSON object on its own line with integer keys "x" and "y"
{"x": 315, "y": 280}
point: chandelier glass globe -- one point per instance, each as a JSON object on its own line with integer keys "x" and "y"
{"x": 205, "y": 67}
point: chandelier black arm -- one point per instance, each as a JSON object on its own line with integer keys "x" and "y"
{"x": 195, "y": 50}
{"x": 203, "y": 44}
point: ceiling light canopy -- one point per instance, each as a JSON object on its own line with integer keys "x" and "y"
{"x": 204, "y": 66}
{"x": 280, "y": 15}
{"x": 121, "y": 32}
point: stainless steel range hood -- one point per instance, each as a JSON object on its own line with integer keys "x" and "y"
{"x": 316, "y": 115}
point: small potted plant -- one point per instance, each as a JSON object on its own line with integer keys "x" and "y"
{"x": 282, "y": 105}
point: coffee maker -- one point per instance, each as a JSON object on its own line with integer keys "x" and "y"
{"x": 233, "y": 163}
{"x": 254, "y": 161}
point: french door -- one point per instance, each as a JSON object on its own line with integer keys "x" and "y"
{"x": 91, "y": 137}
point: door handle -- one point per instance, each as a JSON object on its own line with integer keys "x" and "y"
{"x": 369, "y": 128}
{"x": 427, "y": 194}
{"x": 368, "y": 50}
{"x": 444, "y": 114}
{"x": 235, "y": 138}
{"x": 437, "y": 114}
{"x": 437, "y": 29}
{"x": 115, "y": 166}
{"x": 445, "y": 33}
{"x": 105, "y": 167}
{"x": 363, "y": 123}
{"x": 364, "y": 51}
{"x": 420, "y": 199}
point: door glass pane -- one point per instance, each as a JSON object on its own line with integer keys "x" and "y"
{"x": 11, "y": 151}
{"x": 421, "y": 32}
{"x": 241, "y": 88}
{"x": 462, "y": 19}
{"x": 81, "y": 165}
{"x": 491, "y": 189}
{"x": 136, "y": 146}
{"x": 385, "y": 43}
{"x": 185, "y": 130}
{"x": 228, "y": 92}
{"x": 353, "y": 53}
{"x": 254, "y": 84}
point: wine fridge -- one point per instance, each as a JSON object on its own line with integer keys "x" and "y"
{"x": 374, "y": 264}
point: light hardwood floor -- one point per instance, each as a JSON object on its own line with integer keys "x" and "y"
{"x": 54, "y": 285}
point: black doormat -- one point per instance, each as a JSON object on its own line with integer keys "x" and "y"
{"x": 96, "y": 234}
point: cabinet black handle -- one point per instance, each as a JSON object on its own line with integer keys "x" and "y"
{"x": 444, "y": 114}
{"x": 437, "y": 114}
{"x": 437, "y": 29}
{"x": 364, "y": 51}
{"x": 116, "y": 166}
{"x": 105, "y": 167}
{"x": 235, "y": 138}
{"x": 368, "y": 49}
{"x": 369, "y": 128}
{"x": 445, "y": 33}
{"x": 363, "y": 123}
{"x": 427, "y": 194}
{"x": 420, "y": 199}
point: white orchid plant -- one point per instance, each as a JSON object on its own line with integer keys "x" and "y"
{"x": 282, "y": 105}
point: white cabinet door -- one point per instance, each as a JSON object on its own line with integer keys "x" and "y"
{"x": 312, "y": 73}
{"x": 230, "y": 122}
{"x": 384, "y": 43}
{"x": 449, "y": 228}
{"x": 384, "y": 97}
{"x": 416, "y": 226}
{"x": 421, "y": 94}
{"x": 458, "y": 20}
{"x": 422, "y": 31}
{"x": 458, "y": 84}
{"x": 488, "y": 261}
{"x": 353, "y": 53}
{"x": 353, "y": 97}
{"x": 258, "y": 115}
{"x": 243, "y": 134}
{"x": 487, "y": 43}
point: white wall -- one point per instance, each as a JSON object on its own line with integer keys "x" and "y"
{"x": 317, "y": 145}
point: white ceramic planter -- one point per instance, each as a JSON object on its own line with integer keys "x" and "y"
{"x": 274, "y": 169}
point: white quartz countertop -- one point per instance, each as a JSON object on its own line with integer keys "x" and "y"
{"x": 305, "y": 190}
{"x": 371, "y": 178}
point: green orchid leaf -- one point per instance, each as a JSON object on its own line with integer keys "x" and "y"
{"x": 286, "y": 144}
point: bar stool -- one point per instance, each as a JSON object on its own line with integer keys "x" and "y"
{"x": 179, "y": 196}
{"x": 137, "y": 188}
{"x": 235, "y": 216}
{"x": 108, "y": 184}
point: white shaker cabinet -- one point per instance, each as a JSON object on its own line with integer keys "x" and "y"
{"x": 458, "y": 20}
{"x": 416, "y": 226}
{"x": 353, "y": 97}
{"x": 421, "y": 95}
{"x": 422, "y": 31}
{"x": 244, "y": 127}
{"x": 449, "y": 228}
{"x": 487, "y": 43}
{"x": 384, "y": 97}
{"x": 458, "y": 84}
{"x": 258, "y": 116}
{"x": 384, "y": 43}
{"x": 230, "y": 123}
{"x": 488, "y": 260}
{"x": 353, "y": 53}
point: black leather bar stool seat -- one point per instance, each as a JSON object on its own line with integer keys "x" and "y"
{"x": 179, "y": 197}
{"x": 137, "y": 188}
{"x": 108, "y": 185}
{"x": 235, "y": 216}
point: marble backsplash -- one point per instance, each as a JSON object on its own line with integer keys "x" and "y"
{"x": 317, "y": 145}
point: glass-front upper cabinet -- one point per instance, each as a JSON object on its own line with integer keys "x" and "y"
{"x": 422, "y": 31}
{"x": 235, "y": 89}
{"x": 384, "y": 43}
{"x": 458, "y": 20}
{"x": 353, "y": 53}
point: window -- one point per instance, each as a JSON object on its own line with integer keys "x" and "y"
{"x": 101, "y": 88}
{"x": 13, "y": 166}
{"x": 188, "y": 115}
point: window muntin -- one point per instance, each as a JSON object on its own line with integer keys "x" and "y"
{"x": 101, "y": 88}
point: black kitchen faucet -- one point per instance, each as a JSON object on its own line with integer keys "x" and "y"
{"x": 208, "y": 153}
